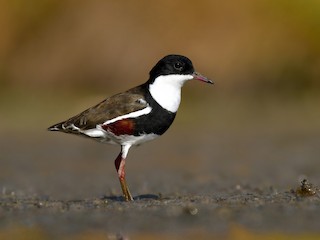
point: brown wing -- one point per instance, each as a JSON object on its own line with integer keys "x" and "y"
{"x": 117, "y": 105}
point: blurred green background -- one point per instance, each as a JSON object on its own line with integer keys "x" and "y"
{"x": 58, "y": 57}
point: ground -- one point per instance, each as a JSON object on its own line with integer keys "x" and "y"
{"x": 214, "y": 181}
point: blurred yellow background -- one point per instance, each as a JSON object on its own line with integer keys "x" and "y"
{"x": 53, "y": 53}
{"x": 254, "y": 133}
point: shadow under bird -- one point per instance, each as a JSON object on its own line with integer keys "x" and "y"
{"x": 137, "y": 115}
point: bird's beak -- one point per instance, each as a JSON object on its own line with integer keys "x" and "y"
{"x": 198, "y": 76}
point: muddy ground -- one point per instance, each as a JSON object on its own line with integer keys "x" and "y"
{"x": 222, "y": 181}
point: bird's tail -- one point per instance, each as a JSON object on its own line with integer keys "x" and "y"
{"x": 56, "y": 127}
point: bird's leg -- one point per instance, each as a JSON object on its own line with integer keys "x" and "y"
{"x": 120, "y": 167}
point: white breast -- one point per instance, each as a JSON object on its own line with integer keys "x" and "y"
{"x": 166, "y": 90}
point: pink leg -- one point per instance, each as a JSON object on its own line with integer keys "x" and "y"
{"x": 120, "y": 167}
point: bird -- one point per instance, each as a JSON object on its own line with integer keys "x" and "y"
{"x": 137, "y": 115}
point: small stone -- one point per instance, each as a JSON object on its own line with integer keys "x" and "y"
{"x": 191, "y": 210}
{"x": 306, "y": 189}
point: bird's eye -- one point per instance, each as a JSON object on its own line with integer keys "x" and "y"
{"x": 178, "y": 66}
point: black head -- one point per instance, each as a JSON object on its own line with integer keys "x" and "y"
{"x": 175, "y": 65}
{"x": 172, "y": 64}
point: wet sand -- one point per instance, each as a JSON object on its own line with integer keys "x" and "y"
{"x": 192, "y": 182}
{"x": 66, "y": 187}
